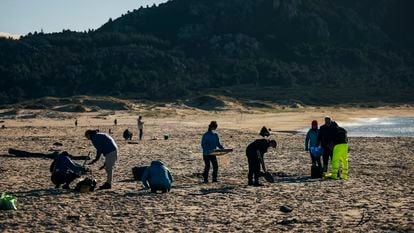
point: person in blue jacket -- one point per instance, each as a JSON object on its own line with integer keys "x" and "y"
{"x": 311, "y": 140}
{"x": 209, "y": 142}
{"x": 105, "y": 145}
{"x": 64, "y": 170}
{"x": 157, "y": 177}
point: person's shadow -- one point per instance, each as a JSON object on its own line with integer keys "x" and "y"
{"x": 302, "y": 179}
{"x": 281, "y": 177}
{"x": 41, "y": 192}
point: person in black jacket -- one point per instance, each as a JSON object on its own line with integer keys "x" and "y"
{"x": 255, "y": 152}
{"x": 64, "y": 170}
{"x": 325, "y": 139}
{"x": 340, "y": 154}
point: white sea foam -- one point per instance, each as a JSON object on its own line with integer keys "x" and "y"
{"x": 378, "y": 127}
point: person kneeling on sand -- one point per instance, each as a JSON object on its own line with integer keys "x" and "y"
{"x": 64, "y": 171}
{"x": 255, "y": 152}
{"x": 105, "y": 145}
{"x": 158, "y": 176}
{"x": 340, "y": 154}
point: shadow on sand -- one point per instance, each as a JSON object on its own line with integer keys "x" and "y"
{"x": 226, "y": 189}
{"x": 41, "y": 192}
{"x": 303, "y": 179}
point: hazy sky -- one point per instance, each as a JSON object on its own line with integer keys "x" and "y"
{"x": 24, "y": 16}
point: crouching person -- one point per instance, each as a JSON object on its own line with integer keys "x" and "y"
{"x": 64, "y": 170}
{"x": 157, "y": 177}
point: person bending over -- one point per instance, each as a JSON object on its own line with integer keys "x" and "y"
{"x": 105, "y": 145}
{"x": 255, "y": 157}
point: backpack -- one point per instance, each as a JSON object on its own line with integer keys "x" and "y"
{"x": 86, "y": 185}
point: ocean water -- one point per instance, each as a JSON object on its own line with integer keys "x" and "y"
{"x": 378, "y": 127}
{"x": 381, "y": 127}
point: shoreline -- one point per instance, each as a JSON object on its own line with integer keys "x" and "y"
{"x": 292, "y": 120}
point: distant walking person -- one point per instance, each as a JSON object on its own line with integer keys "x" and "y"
{"x": 76, "y": 122}
{"x": 105, "y": 145}
{"x": 325, "y": 139}
{"x": 140, "y": 127}
{"x": 115, "y": 122}
{"x": 255, "y": 157}
{"x": 209, "y": 142}
{"x": 340, "y": 154}
{"x": 311, "y": 140}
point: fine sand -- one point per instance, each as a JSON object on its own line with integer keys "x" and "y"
{"x": 377, "y": 197}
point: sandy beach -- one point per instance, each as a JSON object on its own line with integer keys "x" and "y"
{"x": 377, "y": 197}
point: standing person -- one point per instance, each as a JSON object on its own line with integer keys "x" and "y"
{"x": 255, "y": 157}
{"x": 105, "y": 145}
{"x": 325, "y": 138}
{"x": 340, "y": 154}
{"x": 209, "y": 142}
{"x": 157, "y": 177}
{"x": 311, "y": 140}
{"x": 140, "y": 127}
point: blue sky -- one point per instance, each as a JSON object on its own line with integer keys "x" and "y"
{"x": 23, "y": 16}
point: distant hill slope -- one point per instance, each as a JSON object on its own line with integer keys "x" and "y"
{"x": 318, "y": 52}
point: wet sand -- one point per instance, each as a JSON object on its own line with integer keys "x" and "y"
{"x": 378, "y": 197}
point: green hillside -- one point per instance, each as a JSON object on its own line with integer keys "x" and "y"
{"x": 317, "y": 52}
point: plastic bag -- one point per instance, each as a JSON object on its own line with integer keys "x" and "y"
{"x": 316, "y": 151}
{"x": 7, "y": 202}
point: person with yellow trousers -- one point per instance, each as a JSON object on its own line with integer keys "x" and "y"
{"x": 340, "y": 155}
